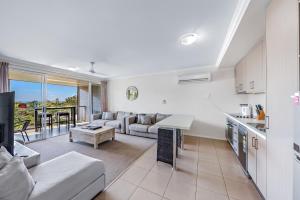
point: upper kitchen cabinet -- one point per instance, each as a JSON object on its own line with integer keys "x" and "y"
{"x": 250, "y": 72}
{"x": 240, "y": 77}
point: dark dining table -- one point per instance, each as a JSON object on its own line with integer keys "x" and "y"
{"x": 71, "y": 108}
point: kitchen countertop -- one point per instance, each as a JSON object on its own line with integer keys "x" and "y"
{"x": 245, "y": 122}
{"x": 183, "y": 122}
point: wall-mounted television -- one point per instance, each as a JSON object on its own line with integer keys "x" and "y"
{"x": 7, "y": 105}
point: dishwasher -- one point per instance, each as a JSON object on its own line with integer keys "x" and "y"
{"x": 243, "y": 147}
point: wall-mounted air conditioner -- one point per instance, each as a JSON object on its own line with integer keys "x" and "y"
{"x": 194, "y": 78}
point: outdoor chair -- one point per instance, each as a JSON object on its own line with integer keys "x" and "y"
{"x": 24, "y": 128}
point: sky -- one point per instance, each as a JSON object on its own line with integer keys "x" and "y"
{"x": 28, "y": 91}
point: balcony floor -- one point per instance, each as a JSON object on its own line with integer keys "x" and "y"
{"x": 36, "y": 136}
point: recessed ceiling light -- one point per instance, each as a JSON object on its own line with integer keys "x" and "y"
{"x": 189, "y": 38}
{"x": 73, "y": 68}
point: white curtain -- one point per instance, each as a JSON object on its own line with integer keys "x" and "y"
{"x": 4, "y": 83}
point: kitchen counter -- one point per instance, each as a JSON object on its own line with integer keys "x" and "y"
{"x": 183, "y": 122}
{"x": 246, "y": 122}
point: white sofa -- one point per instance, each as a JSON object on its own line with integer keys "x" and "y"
{"x": 72, "y": 176}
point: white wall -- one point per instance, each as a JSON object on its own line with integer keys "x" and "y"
{"x": 206, "y": 101}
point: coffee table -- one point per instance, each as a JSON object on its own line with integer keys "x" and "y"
{"x": 31, "y": 158}
{"x": 94, "y": 137}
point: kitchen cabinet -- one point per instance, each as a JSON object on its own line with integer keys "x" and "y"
{"x": 252, "y": 155}
{"x": 261, "y": 165}
{"x": 282, "y": 81}
{"x": 257, "y": 161}
{"x": 240, "y": 74}
{"x": 251, "y": 71}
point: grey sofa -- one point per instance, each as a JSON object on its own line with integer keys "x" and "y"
{"x": 111, "y": 119}
{"x": 72, "y": 176}
{"x": 134, "y": 125}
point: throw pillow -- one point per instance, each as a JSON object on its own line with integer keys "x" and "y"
{"x": 120, "y": 115}
{"x": 96, "y": 116}
{"x": 146, "y": 120}
{"x": 139, "y": 118}
{"x": 108, "y": 116}
{"x": 5, "y": 156}
{"x": 15, "y": 181}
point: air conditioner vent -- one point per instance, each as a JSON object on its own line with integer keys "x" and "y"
{"x": 194, "y": 78}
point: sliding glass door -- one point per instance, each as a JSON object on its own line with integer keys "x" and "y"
{"x": 30, "y": 90}
{"x": 48, "y": 105}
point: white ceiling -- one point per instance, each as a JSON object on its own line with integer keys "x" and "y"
{"x": 123, "y": 37}
{"x": 252, "y": 29}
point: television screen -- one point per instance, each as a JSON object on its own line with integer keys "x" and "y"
{"x": 7, "y": 104}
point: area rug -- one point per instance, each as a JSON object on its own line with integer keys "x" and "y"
{"x": 117, "y": 155}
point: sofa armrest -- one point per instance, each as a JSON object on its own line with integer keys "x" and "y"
{"x": 129, "y": 120}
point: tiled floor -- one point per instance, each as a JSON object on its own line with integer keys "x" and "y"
{"x": 206, "y": 170}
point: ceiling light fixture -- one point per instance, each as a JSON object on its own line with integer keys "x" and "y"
{"x": 189, "y": 38}
{"x": 92, "y": 70}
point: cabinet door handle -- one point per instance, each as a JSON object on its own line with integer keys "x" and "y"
{"x": 253, "y": 145}
{"x": 267, "y": 122}
{"x": 256, "y": 144}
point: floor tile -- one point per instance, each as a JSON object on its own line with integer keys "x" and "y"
{"x": 206, "y": 170}
{"x": 203, "y": 194}
{"x": 156, "y": 182}
{"x": 162, "y": 168}
{"x": 141, "y": 194}
{"x": 241, "y": 191}
{"x": 145, "y": 162}
{"x": 208, "y": 157}
{"x": 187, "y": 165}
{"x": 184, "y": 176}
{"x": 212, "y": 183}
{"x": 235, "y": 173}
{"x": 179, "y": 190}
{"x": 135, "y": 175}
{"x": 119, "y": 190}
{"x": 209, "y": 168}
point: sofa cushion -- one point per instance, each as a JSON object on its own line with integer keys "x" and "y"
{"x": 153, "y": 129}
{"x": 139, "y": 118}
{"x": 121, "y": 115}
{"x": 146, "y": 120}
{"x": 160, "y": 117}
{"x": 139, "y": 127}
{"x": 65, "y": 176}
{"x": 99, "y": 122}
{"x": 115, "y": 124}
{"x": 15, "y": 181}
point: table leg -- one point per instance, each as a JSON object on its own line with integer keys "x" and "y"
{"x": 174, "y": 147}
{"x": 73, "y": 114}
{"x": 114, "y": 134}
{"x": 96, "y": 139}
{"x": 70, "y": 136}
{"x": 35, "y": 120}
{"x": 182, "y": 140}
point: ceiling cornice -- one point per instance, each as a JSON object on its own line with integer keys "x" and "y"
{"x": 234, "y": 24}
